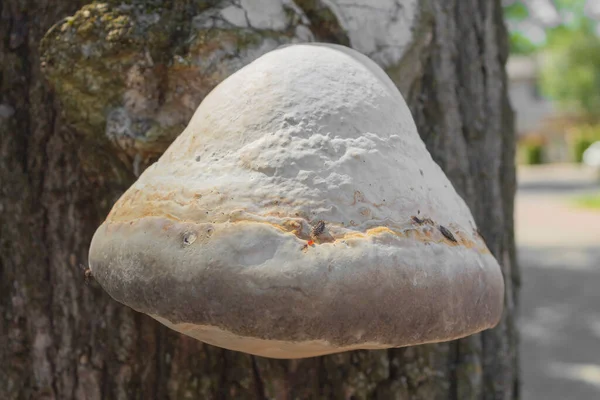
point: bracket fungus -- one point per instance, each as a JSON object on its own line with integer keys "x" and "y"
{"x": 300, "y": 214}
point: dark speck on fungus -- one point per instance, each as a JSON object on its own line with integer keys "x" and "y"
{"x": 447, "y": 234}
{"x": 189, "y": 238}
{"x": 318, "y": 229}
{"x": 417, "y": 220}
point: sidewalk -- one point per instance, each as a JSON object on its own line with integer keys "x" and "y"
{"x": 559, "y": 255}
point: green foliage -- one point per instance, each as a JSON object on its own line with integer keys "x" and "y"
{"x": 530, "y": 151}
{"x": 571, "y": 73}
{"x": 516, "y": 11}
{"x": 580, "y": 138}
{"x": 575, "y": 7}
{"x": 531, "y": 154}
{"x": 591, "y": 201}
{"x": 578, "y": 147}
{"x": 520, "y": 44}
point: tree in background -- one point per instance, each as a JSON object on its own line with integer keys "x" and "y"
{"x": 91, "y": 93}
{"x": 571, "y": 71}
{"x": 567, "y": 34}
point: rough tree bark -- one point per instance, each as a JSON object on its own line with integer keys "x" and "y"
{"x": 105, "y": 93}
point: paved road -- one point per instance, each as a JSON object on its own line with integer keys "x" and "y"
{"x": 559, "y": 254}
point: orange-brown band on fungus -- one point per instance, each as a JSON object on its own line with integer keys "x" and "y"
{"x": 423, "y": 230}
{"x": 421, "y": 236}
{"x": 424, "y": 233}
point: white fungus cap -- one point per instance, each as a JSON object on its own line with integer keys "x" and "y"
{"x": 215, "y": 240}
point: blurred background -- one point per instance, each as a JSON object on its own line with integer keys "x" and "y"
{"x": 554, "y": 86}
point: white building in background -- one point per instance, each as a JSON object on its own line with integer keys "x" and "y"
{"x": 531, "y": 108}
{"x": 535, "y": 115}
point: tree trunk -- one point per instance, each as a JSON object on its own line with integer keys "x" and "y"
{"x": 64, "y": 162}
